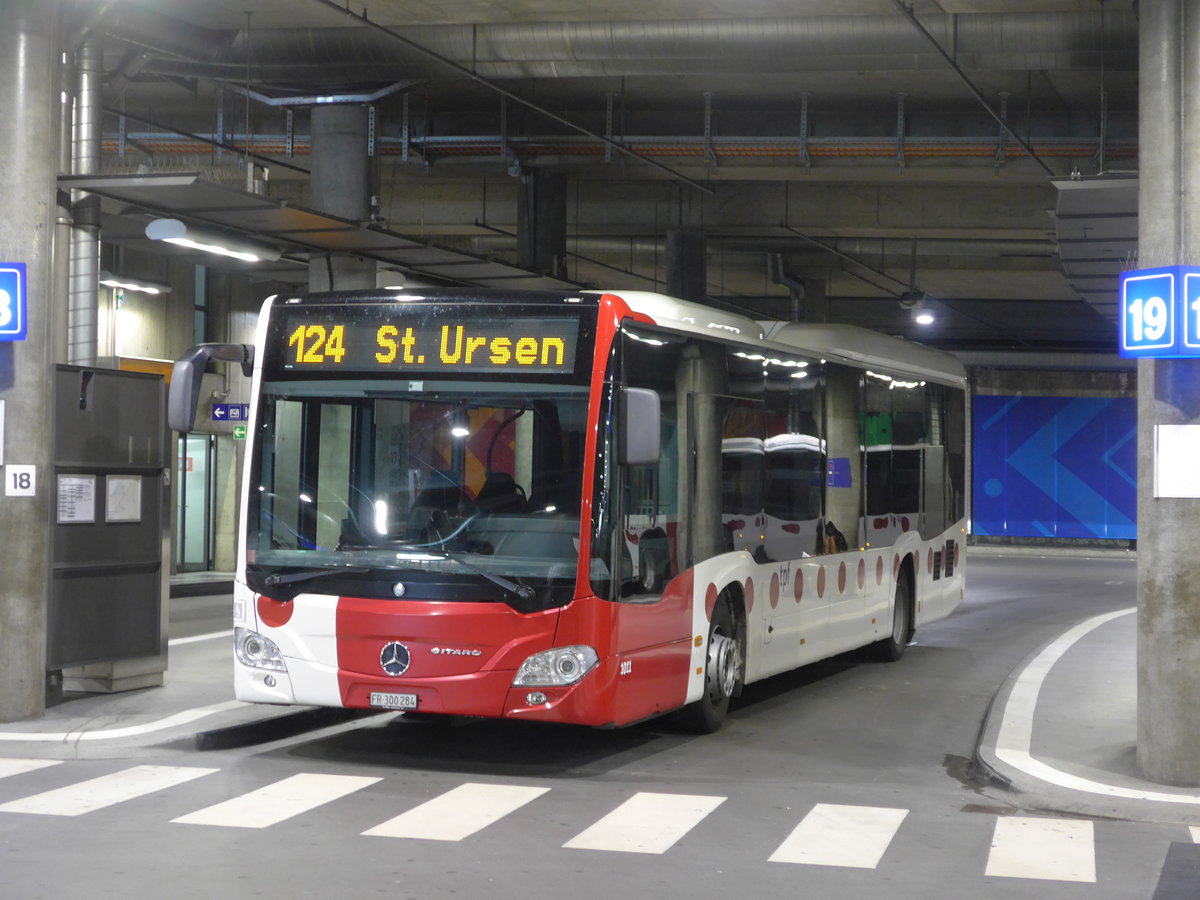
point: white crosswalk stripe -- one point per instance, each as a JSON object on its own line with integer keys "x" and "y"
{"x": 1048, "y": 849}
{"x": 459, "y": 813}
{"x": 1036, "y": 848}
{"x": 279, "y": 801}
{"x": 107, "y": 790}
{"x": 18, "y": 766}
{"x": 646, "y": 823}
{"x": 851, "y": 836}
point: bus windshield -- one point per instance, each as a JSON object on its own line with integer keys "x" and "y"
{"x": 450, "y": 476}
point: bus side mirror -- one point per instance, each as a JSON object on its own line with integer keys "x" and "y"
{"x": 639, "y": 427}
{"x": 184, "y": 395}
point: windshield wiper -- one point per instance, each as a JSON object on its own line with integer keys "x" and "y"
{"x": 310, "y": 574}
{"x": 523, "y": 591}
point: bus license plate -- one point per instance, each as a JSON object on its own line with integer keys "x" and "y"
{"x": 392, "y": 701}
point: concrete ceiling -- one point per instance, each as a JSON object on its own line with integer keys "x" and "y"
{"x": 835, "y": 145}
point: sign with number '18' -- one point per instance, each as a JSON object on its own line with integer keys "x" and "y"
{"x": 12, "y": 302}
{"x": 1160, "y": 312}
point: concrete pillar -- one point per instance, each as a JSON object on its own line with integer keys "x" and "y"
{"x": 1168, "y": 742}
{"x": 340, "y": 186}
{"x": 28, "y": 157}
{"x": 687, "y": 264}
{"x": 542, "y": 223}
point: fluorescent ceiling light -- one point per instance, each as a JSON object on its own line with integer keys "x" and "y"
{"x": 143, "y": 285}
{"x": 174, "y": 231}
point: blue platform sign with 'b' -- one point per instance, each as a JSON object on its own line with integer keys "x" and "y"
{"x": 13, "y": 323}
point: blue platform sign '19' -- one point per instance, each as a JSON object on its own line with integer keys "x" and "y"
{"x": 13, "y": 324}
{"x": 1160, "y": 312}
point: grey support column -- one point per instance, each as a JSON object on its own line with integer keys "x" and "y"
{"x": 687, "y": 264}
{"x": 29, "y": 53}
{"x": 341, "y": 186}
{"x": 542, "y": 223}
{"x": 1168, "y": 741}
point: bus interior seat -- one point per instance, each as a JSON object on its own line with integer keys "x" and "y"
{"x": 500, "y": 494}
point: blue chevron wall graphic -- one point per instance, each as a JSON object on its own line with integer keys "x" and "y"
{"x": 1062, "y": 467}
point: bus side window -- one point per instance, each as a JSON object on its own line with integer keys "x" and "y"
{"x": 795, "y": 458}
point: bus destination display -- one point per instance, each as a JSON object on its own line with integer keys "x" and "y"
{"x": 449, "y": 344}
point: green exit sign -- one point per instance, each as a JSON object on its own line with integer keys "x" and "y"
{"x": 239, "y": 432}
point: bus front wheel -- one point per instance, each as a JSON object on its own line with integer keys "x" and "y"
{"x": 707, "y": 714}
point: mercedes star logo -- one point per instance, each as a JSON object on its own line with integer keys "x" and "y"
{"x": 394, "y": 658}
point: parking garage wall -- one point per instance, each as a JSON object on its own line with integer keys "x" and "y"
{"x": 1054, "y": 456}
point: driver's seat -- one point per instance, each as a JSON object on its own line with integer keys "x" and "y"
{"x": 500, "y": 494}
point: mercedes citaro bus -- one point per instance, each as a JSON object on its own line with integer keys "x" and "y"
{"x": 585, "y": 507}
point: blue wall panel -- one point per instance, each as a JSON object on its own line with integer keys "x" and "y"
{"x": 1063, "y": 467}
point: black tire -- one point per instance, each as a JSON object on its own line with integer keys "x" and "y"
{"x": 891, "y": 648}
{"x": 722, "y": 669}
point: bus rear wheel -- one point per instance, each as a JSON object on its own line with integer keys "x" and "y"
{"x": 721, "y": 668}
{"x": 891, "y": 648}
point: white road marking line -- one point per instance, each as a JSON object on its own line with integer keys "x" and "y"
{"x": 108, "y": 734}
{"x": 849, "y": 836}
{"x": 1014, "y": 739}
{"x": 646, "y": 823}
{"x": 1047, "y": 849}
{"x": 1195, "y": 830}
{"x": 276, "y": 802}
{"x": 17, "y": 765}
{"x": 107, "y": 790}
{"x": 458, "y": 813}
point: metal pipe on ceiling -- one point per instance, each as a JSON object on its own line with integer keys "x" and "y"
{"x": 1003, "y": 122}
{"x": 859, "y": 248}
{"x": 989, "y": 41}
{"x": 505, "y": 92}
{"x": 83, "y": 285}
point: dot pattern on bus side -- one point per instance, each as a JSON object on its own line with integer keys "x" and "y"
{"x": 272, "y": 612}
{"x": 710, "y": 598}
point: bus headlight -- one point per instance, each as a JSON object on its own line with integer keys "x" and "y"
{"x": 256, "y": 651}
{"x": 557, "y": 667}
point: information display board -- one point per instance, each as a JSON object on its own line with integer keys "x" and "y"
{"x": 391, "y": 339}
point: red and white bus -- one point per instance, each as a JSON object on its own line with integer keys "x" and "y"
{"x": 591, "y": 507}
